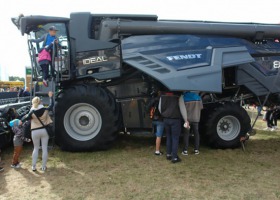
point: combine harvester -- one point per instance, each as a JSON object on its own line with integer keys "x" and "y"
{"x": 110, "y": 64}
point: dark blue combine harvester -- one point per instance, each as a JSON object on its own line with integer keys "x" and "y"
{"x": 108, "y": 65}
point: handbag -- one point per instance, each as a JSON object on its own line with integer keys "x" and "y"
{"x": 44, "y": 55}
{"x": 49, "y": 127}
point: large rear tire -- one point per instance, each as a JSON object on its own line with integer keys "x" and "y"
{"x": 225, "y": 124}
{"x": 87, "y": 118}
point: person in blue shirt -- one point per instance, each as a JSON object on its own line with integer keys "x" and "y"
{"x": 48, "y": 39}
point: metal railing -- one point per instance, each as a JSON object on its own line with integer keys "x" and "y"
{"x": 14, "y": 100}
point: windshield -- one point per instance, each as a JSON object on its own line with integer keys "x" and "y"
{"x": 59, "y": 52}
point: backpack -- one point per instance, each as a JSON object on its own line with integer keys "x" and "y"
{"x": 154, "y": 113}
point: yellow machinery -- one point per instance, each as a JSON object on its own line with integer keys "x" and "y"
{"x": 11, "y": 84}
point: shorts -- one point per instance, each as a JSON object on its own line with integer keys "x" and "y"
{"x": 159, "y": 128}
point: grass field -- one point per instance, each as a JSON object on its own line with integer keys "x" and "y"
{"x": 130, "y": 171}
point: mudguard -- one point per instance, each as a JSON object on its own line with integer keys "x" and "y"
{"x": 185, "y": 62}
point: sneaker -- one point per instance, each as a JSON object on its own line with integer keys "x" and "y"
{"x": 175, "y": 160}
{"x": 196, "y": 152}
{"x": 266, "y": 129}
{"x": 16, "y": 166}
{"x": 158, "y": 153}
{"x": 273, "y": 129}
{"x": 168, "y": 157}
{"x": 43, "y": 169}
{"x": 45, "y": 83}
{"x": 1, "y": 169}
{"x": 33, "y": 168}
{"x": 185, "y": 153}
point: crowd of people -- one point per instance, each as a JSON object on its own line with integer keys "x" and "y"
{"x": 13, "y": 89}
{"x": 269, "y": 114}
{"x": 21, "y": 92}
{"x": 37, "y": 121}
{"x": 166, "y": 110}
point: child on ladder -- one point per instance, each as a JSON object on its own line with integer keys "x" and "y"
{"x": 44, "y": 56}
{"x": 44, "y": 61}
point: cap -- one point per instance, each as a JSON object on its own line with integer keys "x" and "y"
{"x": 14, "y": 122}
{"x": 52, "y": 28}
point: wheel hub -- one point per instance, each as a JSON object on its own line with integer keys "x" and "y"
{"x": 228, "y": 128}
{"x": 82, "y": 121}
{"x": 225, "y": 126}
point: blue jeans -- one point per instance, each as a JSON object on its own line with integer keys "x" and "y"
{"x": 173, "y": 130}
{"x": 159, "y": 128}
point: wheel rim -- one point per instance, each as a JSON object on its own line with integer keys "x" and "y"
{"x": 228, "y": 128}
{"x": 82, "y": 122}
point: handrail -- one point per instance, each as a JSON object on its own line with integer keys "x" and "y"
{"x": 14, "y": 100}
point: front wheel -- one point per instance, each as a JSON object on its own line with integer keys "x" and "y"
{"x": 225, "y": 124}
{"x": 87, "y": 118}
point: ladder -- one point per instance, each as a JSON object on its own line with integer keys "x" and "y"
{"x": 60, "y": 65}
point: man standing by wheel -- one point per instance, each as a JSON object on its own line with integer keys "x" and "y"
{"x": 172, "y": 114}
{"x": 193, "y": 106}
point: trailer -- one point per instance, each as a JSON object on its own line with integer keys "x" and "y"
{"x": 108, "y": 65}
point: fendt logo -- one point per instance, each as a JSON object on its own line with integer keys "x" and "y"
{"x": 276, "y": 64}
{"x": 96, "y": 59}
{"x": 184, "y": 57}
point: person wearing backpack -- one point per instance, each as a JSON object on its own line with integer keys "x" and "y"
{"x": 156, "y": 121}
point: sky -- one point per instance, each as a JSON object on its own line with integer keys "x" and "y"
{"x": 14, "y": 55}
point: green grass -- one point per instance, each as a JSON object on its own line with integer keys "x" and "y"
{"x": 130, "y": 171}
